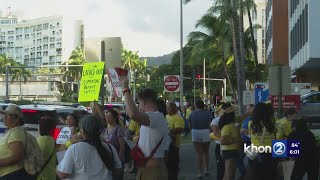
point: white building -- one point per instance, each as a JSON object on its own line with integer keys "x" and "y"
{"x": 258, "y": 17}
{"x": 304, "y": 40}
{"x": 43, "y": 41}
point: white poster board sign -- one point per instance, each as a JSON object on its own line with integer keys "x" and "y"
{"x": 64, "y": 135}
{"x": 116, "y": 84}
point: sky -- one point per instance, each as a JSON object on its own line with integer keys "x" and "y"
{"x": 151, "y": 27}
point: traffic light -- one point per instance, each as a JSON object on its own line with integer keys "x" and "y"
{"x": 198, "y": 76}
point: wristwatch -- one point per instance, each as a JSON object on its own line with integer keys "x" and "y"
{"x": 126, "y": 90}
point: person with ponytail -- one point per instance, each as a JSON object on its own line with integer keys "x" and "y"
{"x": 90, "y": 159}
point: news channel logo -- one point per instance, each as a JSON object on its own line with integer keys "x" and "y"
{"x": 285, "y": 148}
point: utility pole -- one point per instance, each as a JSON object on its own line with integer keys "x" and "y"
{"x": 7, "y": 82}
{"x": 194, "y": 86}
{"x": 204, "y": 81}
{"x": 181, "y": 57}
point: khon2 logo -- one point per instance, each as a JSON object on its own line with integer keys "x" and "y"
{"x": 279, "y": 148}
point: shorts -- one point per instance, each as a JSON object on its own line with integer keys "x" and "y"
{"x": 200, "y": 135}
{"x": 230, "y": 154}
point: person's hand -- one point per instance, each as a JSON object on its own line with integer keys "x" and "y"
{"x": 75, "y": 138}
{"x": 124, "y": 82}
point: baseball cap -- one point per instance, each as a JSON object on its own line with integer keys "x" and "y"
{"x": 91, "y": 124}
{"x": 14, "y": 110}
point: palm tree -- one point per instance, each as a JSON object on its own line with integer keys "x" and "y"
{"x": 77, "y": 58}
{"x": 4, "y": 61}
{"x": 19, "y": 74}
{"x": 213, "y": 45}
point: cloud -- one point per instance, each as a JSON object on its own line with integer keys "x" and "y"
{"x": 151, "y": 27}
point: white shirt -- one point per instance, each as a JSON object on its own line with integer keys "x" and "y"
{"x": 83, "y": 162}
{"x": 215, "y": 122}
{"x": 151, "y": 135}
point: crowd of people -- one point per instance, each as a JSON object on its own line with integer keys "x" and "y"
{"x": 104, "y": 146}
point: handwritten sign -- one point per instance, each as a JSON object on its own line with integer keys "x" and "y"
{"x": 65, "y": 135}
{"x": 116, "y": 84}
{"x": 91, "y": 81}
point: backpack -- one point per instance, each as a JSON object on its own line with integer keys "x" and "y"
{"x": 33, "y": 159}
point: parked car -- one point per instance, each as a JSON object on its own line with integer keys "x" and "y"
{"x": 310, "y": 107}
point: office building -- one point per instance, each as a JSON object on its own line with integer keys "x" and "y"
{"x": 304, "y": 41}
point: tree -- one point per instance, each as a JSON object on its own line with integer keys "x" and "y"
{"x": 19, "y": 74}
{"x": 5, "y": 60}
{"x": 77, "y": 57}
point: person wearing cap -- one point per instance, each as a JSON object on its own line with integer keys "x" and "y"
{"x": 200, "y": 130}
{"x": 153, "y": 131}
{"x": 90, "y": 159}
{"x": 12, "y": 145}
{"x": 230, "y": 140}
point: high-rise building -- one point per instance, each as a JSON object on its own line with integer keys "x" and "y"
{"x": 277, "y": 32}
{"x": 258, "y": 17}
{"x": 43, "y": 41}
{"x": 304, "y": 40}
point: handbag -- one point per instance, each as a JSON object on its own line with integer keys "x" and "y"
{"x": 138, "y": 156}
{"x": 253, "y": 154}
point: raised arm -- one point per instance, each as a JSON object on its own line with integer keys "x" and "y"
{"x": 132, "y": 110}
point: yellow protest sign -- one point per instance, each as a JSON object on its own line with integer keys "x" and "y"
{"x": 91, "y": 81}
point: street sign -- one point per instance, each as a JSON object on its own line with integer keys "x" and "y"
{"x": 289, "y": 101}
{"x": 261, "y": 92}
{"x": 248, "y": 97}
{"x": 172, "y": 83}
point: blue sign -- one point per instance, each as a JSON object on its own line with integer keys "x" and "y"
{"x": 279, "y": 148}
{"x": 261, "y": 93}
{"x": 294, "y": 148}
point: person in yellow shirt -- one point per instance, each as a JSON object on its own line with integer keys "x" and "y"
{"x": 12, "y": 145}
{"x": 284, "y": 125}
{"x": 134, "y": 128}
{"x": 189, "y": 110}
{"x": 47, "y": 146}
{"x": 262, "y": 130}
{"x": 176, "y": 127}
{"x": 230, "y": 141}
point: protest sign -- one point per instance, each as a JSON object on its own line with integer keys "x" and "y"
{"x": 115, "y": 81}
{"x": 65, "y": 135}
{"x": 90, "y": 81}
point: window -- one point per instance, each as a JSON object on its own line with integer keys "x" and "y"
{"x": 254, "y": 14}
{"x": 38, "y": 41}
{"x": 52, "y": 39}
{"x": 34, "y": 42}
{"x": 39, "y": 27}
{"x": 26, "y": 37}
{"x": 45, "y": 53}
{"x": 19, "y": 37}
{"x": 313, "y": 99}
{"x": 26, "y": 30}
{"x": 45, "y": 40}
{"x": 38, "y": 54}
{"x": 33, "y": 36}
{"x": 51, "y": 45}
{"x": 45, "y": 47}
{"x": 45, "y": 26}
{"x": 53, "y": 32}
{"x": 39, "y": 48}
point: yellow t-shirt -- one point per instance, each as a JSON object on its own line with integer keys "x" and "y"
{"x": 135, "y": 127}
{"x": 13, "y": 135}
{"x": 175, "y": 121}
{"x": 255, "y": 138}
{"x": 233, "y": 132}
{"x": 188, "y": 112}
{"x": 47, "y": 146}
{"x": 284, "y": 128}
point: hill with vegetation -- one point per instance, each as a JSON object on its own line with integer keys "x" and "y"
{"x": 160, "y": 60}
